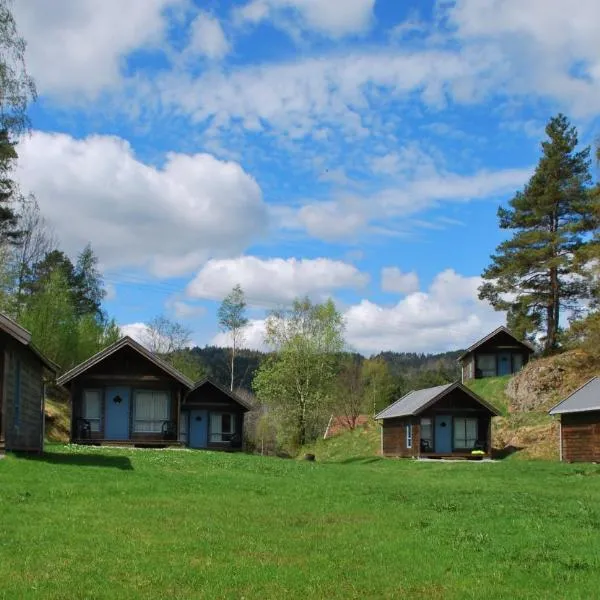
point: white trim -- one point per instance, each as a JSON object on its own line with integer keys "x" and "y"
{"x": 409, "y": 428}
{"x": 560, "y": 440}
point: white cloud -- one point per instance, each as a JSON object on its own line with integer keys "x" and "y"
{"x": 80, "y": 45}
{"x": 395, "y": 281}
{"x": 168, "y": 219}
{"x": 185, "y": 310}
{"x": 137, "y": 331}
{"x": 350, "y": 215}
{"x": 207, "y": 37}
{"x": 448, "y": 316}
{"x": 542, "y": 47}
{"x": 254, "y": 337}
{"x": 320, "y": 16}
{"x": 275, "y": 281}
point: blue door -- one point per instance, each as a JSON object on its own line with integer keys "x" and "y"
{"x": 117, "y": 403}
{"x": 443, "y": 433}
{"x": 504, "y": 367}
{"x": 198, "y": 429}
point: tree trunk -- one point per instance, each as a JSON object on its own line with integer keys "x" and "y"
{"x": 552, "y": 313}
{"x": 232, "y": 362}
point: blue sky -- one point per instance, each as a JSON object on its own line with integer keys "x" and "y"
{"x": 357, "y": 150}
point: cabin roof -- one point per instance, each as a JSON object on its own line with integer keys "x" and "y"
{"x": 417, "y": 401}
{"x": 23, "y": 336}
{"x": 235, "y": 397}
{"x": 123, "y": 343}
{"x": 584, "y": 399}
{"x": 492, "y": 335}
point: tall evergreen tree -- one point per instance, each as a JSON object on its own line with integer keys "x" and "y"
{"x": 88, "y": 285}
{"x": 536, "y": 274}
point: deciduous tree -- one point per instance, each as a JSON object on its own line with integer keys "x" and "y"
{"x": 297, "y": 379}
{"x": 233, "y": 320}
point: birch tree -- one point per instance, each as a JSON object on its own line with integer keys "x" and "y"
{"x": 233, "y": 320}
{"x": 297, "y": 379}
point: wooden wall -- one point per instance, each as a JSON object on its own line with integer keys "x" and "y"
{"x": 393, "y": 433}
{"x": 23, "y": 426}
{"x": 580, "y": 436}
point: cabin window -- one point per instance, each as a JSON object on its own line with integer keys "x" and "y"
{"x": 486, "y": 365}
{"x": 409, "y": 435}
{"x": 151, "y": 411}
{"x": 92, "y": 408}
{"x": 426, "y": 435}
{"x": 222, "y": 427}
{"x": 517, "y": 363}
{"x": 465, "y": 433}
{"x": 184, "y": 425}
{"x": 17, "y": 396}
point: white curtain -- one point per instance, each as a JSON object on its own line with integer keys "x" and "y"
{"x": 221, "y": 423}
{"x": 151, "y": 411}
{"x": 465, "y": 433}
{"x": 92, "y": 408}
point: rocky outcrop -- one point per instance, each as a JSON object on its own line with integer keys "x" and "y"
{"x": 546, "y": 381}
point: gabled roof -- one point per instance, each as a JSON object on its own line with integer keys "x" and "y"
{"x": 21, "y": 335}
{"x": 206, "y": 381}
{"x": 584, "y": 399}
{"x": 493, "y": 334}
{"x": 122, "y": 343}
{"x": 417, "y": 401}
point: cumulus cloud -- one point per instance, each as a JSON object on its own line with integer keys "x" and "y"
{"x": 395, "y": 281}
{"x": 137, "y": 331}
{"x": 207, "y": 37}
{"x": 80, "y": 45}
{"x": 320, "y": 16}
{"x": 254, "y": 337}
{"x": 448, "y": 316}
{"x": 168, "y": 219}
{"x": 275, "y": 281}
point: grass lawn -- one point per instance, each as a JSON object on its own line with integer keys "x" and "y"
{"x": 101, "y": 523}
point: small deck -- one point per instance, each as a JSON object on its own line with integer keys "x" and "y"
{"x": 132, "y": 443}
{"x": 454, "y": 455}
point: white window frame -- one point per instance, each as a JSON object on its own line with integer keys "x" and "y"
{"x": 216, "y": 431}
{"x": 95, "y": 422}
{"x": 409, "y": 435}
{"x": 150, "y": 425}
{"x": 463, "y": 421}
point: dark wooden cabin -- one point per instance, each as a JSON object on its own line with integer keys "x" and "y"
{"x": 447, "y": 421}
{"x": 212, "y": 417}
{"x": 22, "y": 369}
{"x": 580, "y": 423}
{"x": 125, "y": 394}
{"x": 499, "y": 353}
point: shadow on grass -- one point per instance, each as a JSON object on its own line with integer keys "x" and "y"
{"x": 83, "y": 460}
{"x": 502, "y": 453}
{"x": 359, "y": 460}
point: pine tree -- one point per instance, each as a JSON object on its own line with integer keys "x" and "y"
{"x": 536, "y": 274}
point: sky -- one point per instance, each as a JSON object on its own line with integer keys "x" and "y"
{"x": 352, "y": 149}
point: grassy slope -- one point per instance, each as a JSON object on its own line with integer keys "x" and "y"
{"x": 533, "y": 434}
{"x": 101, "y": 523}
{"x": 361, "y": 442}
{"x": 58, "y": 416}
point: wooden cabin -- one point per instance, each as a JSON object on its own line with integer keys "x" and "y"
{"x": 446, "y": 421}
{"x": 580, "y": 423}
{"x": 212, "y": 417}
{"x": 126, "y": 395}
{"x": 498, "y": 353}
{"x": 22, "y": 370}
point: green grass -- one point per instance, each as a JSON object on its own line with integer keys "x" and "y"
{"x": 346, "y": 445}
{"x": 101, "y": 523}
{"x": 492, "y": 390}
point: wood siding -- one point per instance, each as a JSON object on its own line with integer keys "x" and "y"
{"x": 580, "y": 437}
{"x": 393, "y": 432}
{"x": 22, "y": 397}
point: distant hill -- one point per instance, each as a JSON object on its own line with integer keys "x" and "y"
{"x": 411, "y": 369}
